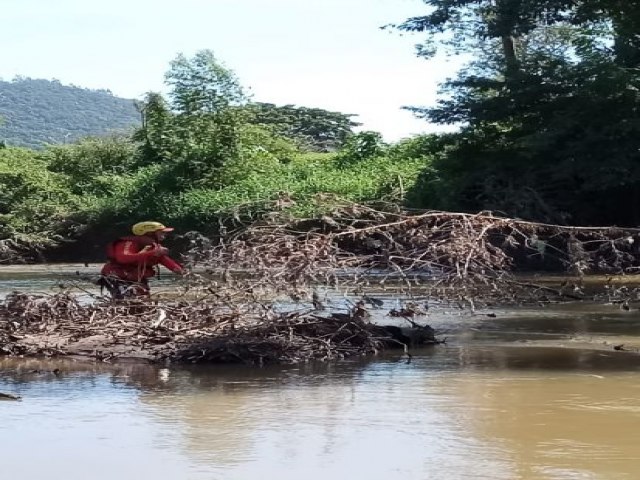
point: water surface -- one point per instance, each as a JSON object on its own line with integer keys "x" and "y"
{"x": 529, "y": 394}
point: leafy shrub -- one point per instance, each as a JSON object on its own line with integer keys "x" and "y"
{"x": 35, "y": 204}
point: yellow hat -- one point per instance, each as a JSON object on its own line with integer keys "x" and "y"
{"x": 142, "y": 228}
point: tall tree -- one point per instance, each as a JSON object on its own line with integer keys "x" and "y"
{"x": 198, "y": 130}
{"x": 549, "y": 108}
{"x": 202, "y": 85}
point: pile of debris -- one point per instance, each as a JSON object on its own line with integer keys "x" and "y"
{"x": 193, "y": 331}
{"x": 454, "y": 257}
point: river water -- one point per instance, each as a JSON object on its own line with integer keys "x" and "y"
{"x": 527, "y": 394}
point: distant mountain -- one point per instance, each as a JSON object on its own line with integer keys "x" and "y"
{"x": 36, "y": 112}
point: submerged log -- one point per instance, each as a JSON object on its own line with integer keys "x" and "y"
{"x": 414, "y": 336}
{"x": 8, "y": 396}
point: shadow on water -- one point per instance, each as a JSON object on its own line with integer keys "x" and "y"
{"x": 21, "y": 374}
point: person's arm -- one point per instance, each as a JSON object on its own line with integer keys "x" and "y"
{"x": 125, "y": 252}
{"x": 171, "y": 264}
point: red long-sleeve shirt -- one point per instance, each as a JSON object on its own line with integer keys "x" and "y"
{"x": 132, "y": 260}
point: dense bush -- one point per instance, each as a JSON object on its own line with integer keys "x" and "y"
{"x": 98, "y": 187}
{"x": 548, "y": 109}
{"x": 36, "y": 205}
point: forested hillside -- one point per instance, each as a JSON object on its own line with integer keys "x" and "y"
{"x": 38, "y": 112}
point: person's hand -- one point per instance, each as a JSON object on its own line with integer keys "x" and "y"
{"x": 160, "y": 251}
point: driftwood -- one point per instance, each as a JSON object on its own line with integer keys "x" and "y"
{"x": 201, "y": 330}
{"x": 455, "y": 257}
{"x": 8, "y": 396}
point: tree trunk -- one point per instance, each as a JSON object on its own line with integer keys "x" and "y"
{"x": 511, "y": 60}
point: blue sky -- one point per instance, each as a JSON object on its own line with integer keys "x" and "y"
{"x": 318, "y": 53}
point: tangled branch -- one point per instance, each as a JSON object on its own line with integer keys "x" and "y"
{"x": 453, "y": 256}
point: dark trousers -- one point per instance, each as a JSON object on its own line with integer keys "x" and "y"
{"x": 120, "y": 289}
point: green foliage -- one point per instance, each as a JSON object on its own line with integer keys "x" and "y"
{"x": 361, "y": 146}
{"x": 303, "y": 179}
{"x": 34, "y": 113}
{"x": 46, "y": 197}
{"x": 261, "y": 152}
{"x": 157, "y": 134}
{"x": 202, "y": 85}
{"x": 34, "y": 203}
{"x": 314, "y": 129}
{"x": 91, "y": 167}
{"x": 549, "y": 110}
{"x": 421, "y": 146}
{"x": 200, "y": 129}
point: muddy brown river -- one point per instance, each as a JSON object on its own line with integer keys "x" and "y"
{"x": 537, "y": 393}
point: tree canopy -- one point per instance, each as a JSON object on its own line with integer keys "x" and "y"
{"x": 312, "y": 128}
{"x": 549, "y": 108}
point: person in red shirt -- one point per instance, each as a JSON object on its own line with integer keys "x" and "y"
{"x": 134, "y": 259}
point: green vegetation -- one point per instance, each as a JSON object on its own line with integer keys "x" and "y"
{"x": 203, "y": 155}
{"x": 549, "y": 130}
{"x": 34, "y": 113}
{"x": 311, "y": 128}
{"x": 549, "y": 109}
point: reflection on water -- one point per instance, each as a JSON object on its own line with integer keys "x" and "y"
{"x": 455, "y": 412}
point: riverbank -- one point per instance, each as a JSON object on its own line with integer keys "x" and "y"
{"x": 380, "y": 236}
